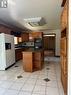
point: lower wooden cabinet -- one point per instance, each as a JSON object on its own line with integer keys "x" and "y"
{"x": 38, "y": 60}
{"x": 28, "y": 61}
{"x": 64, "y": 64}
{"x": 32, "y": 61}
{"x": 18, "y": 54}
{"x": 64, "y": 48}
{"x": 64, "y": 82}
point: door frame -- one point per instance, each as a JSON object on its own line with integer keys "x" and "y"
{"x": 50, "y": 34}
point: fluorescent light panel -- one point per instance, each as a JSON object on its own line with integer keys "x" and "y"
{"x": 37, "y": 21}
{"x": 48, "y": 35}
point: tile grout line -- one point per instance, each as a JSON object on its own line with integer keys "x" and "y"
{"x": 46, "y": 82}
{"x": 57, "y": 81}
{"x": 34, "y": 86}
{"x": 23, "y": 85}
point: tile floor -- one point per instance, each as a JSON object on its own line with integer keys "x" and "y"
{"x": 31, "y": 83}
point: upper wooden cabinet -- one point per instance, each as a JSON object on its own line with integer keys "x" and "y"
{"x": 64, "y": 18}
{"x": 63, "y": 3}
{"x": 31, "y": 36}
{"x": 4, "y": 29}
{"x": 25, "y": 37}
{"x": 34, "y": 35}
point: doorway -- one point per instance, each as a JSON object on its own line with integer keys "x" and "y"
{"x": 49, "y": 44}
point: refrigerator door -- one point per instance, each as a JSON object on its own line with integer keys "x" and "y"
{"x": 2, "y": 52}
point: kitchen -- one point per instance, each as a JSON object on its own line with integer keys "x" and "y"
{"x": 32, "y": 45}
{"x": 33, "y": 42}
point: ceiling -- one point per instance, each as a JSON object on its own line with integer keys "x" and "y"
{"x": 18, "y": 10}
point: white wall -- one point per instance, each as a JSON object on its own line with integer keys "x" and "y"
{"x": 69, "y": 51}
{"x": 58, "y": 36}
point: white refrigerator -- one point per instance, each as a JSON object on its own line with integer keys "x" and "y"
{"x": 7, "y": 51}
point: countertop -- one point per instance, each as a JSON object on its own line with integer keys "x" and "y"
{"x": 32, "y": 50}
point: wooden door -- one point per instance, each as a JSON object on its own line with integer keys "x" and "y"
{"x": 49, "y": 45}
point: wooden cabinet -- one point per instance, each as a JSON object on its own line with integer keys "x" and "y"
{"x": 64, "y": 17}
{"x": 63, "y": 45}
{"x": 18, "y": 54}
{"x": 31, "y": 36}
{"x": 64, "y": 63}
{"x": 63, "y": 3}
{"x": 64, "y": 67}
{"x": 28, "y": 61}
{"x": 25, "y": 37}
{"x": 32, "y": 60}
{"x": 34, "y": 35}
{"x": 38, "y": 60}
{"x": 4, "y": 29}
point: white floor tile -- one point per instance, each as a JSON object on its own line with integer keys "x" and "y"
{"x": 16, "y": 86}
{"x": 38, "y": 94}
{"x": 6, "y": 84}
{"x": 21, "y": 80}
{"x": 52, "y": 91}
{"x": 52, "y": 84}
{"x": 28, "y": 88}
{"x": 39, "y": 89}
{"x": 24, "y": 93}
{"x": 32, "y": 83}
{"x": 2, "y": 91}
{"x": 11, "y": 92}
{"x": 41, "y": 82}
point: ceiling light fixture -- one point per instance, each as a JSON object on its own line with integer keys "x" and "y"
{"x": 48, "y": 35}
{"x": 34, "y": 22}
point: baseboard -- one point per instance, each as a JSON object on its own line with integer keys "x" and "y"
{"x": 57, "y": 56}
{"x": 9, "y": 66}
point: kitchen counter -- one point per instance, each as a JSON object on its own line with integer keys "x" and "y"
{"x": 32, "y": 59}
{"x": 18, "y": 53}
{"x": 32, "y": 50}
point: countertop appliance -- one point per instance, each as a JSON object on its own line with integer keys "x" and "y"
{"x": 7, "y": 51}
{"x": 28, "y": 44}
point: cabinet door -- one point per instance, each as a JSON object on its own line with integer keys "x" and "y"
{"x": 64, "y": 17}
{"x": 63, "y": 45}
{"x": 65, "y": 66}
{"x": 28, "y": 61}
{"x": 34, "y": 35}
{"x": 64, "y": 82}
{"x": 38, "y": 60}
{"x": 37, "y": 65}
{"x": 37, "y": 56}
{"x": 25, "y": 37}
{"x": 18, "y": 54}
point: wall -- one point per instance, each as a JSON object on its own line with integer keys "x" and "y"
{"x": 58, "y": 36}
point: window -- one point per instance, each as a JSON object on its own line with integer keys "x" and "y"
{"x": 17, "y": 40}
